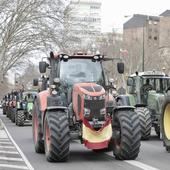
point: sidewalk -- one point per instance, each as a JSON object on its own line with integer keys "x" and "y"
{"x": 10, "y": 156}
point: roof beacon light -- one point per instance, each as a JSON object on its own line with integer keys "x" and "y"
{"x": 65, "y": 57}
{"x": 96, "y": 57}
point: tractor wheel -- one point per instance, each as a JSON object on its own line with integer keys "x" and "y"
{"x": 16, "y": 118}
{"x": 4, "y": 110}
{"x": 9, "y": 113}
{"x": 13, "y": 112}
{"x": 37, "y": 128}
{"x": 20, "y": 118}
{"x": 56, "y": 136}
{"x": 157, "y": 130}
{"x": 126, "y": 144}
{"x": 165, "y": 123}
{"x": 145, "y": 122}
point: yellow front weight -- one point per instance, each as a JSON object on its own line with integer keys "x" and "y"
{"x": 166, "y": 121}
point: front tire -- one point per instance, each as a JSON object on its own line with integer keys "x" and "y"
{"x": 145, "y": 122}
{"x": 37, "y": 128}
{"x": 56, "y": 136}
{"x": 165, "y": 123}
{"x": 126, "y": 145}
{"x": 20, "y": 118}
{"x": 13, "y": 112}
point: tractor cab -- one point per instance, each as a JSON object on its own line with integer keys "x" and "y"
{"x": 77, "y": 68}
{"x": 149, "y": 89}
{"x": 146, "y": 83}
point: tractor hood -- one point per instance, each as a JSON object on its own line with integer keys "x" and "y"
{"x": 91, "y": 89}
{"x": 87, "y": 95}
{"x": 155, "y": 101}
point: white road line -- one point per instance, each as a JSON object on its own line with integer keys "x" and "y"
{"x": 5, "y": 142}
{"x": 3, "y": 134}
{"x": 13, "y": 166}
{"x": 19, "y": 150}
{"x": 11, "y": 159}
{"x": 7, "y": 147}
{"x": 138, "y": 164}
{"x": 9, "y": 152}
{"x": 141, "y": 165}
{"x": 4, "y": 139}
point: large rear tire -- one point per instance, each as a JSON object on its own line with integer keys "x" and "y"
{"x": 145, "y": 122}
{"x": 165, "y": 123}
{"x": 13, "y": 112}
{"x": 126, "y": 145}
{"x": 4, "y": 110}
{"x": 20, "y": 118}
{"x": 37, "y": 128}
{"x": 56, "y": 136}
{"x": 16, "y": 118}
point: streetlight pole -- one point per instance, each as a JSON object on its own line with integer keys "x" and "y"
{"x": 143, "y": 50}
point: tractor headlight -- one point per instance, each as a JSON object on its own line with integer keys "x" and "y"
{"x": 102, "y": 97}
{"x": 87, "y": 97}
{"x": 86, "y": 112}
{"x": 54, "y": 92}
{"x": 103, "y": 111}
{"x": 24, "y": 105}
{"x": 18, "y": 105}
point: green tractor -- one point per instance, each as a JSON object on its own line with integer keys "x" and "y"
{"x": 24, "y": 107}
{"x": 149, "y": 89}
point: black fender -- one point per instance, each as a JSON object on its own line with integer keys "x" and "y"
{"x": 123, "y": 100}
{"x": 124, "y": 108}
{"x": 54, "y": 103}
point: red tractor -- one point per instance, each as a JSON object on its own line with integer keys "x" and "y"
{"x": 78, "y": 105}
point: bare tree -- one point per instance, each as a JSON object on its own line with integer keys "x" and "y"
{"x": 20, "y": 28}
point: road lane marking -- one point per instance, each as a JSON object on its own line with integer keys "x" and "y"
{"x": 3, "y": 134}
{"x": 30, "y": 167}
{"x": 137, "y": 164}
{"x": 9, "y": 152}
{"x": 5, "y": 142}
{"x": 11, "y": 159}
{"x": 13, "y": 166}
{"x": 141, "y": 165}
{"x": 4, "y": 139}
{"x": 7, "y": 147}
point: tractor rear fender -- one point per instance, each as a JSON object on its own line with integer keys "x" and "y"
{"x": 124, "y": 108}
{"x": 141, "y": 105}
{"x": 42, "y": 96}
{"x": 124, "y": 100}
{"x": 42, "y": 103}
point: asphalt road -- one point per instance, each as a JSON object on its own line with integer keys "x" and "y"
{"x": 152, "y": 155}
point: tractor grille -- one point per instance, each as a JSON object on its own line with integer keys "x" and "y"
{"x": 95, "y": 106}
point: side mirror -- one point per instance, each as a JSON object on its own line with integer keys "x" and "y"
{"x": 120, "y": 67}
{"x": 130, "y": 81}
{"x": 35, "y": 82}
{"x": 51, "y": 54}
{"x": 42, "y": 66}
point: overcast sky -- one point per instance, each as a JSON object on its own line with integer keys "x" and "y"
{"x": 113, "y": 11}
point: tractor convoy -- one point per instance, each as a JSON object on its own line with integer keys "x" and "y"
{"x": 18, "y": 105}
{"x": 76, "y": 100}
{"x": 78, "y": 105}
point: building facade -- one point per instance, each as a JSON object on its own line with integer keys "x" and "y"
{"x": 147, "y": 38}
{"x": 86, "y": 18}
{"x": 141, "y": 39}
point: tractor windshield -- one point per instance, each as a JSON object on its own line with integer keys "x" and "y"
{"x": 81, "y": 70}
{"x": 158, "y": 84}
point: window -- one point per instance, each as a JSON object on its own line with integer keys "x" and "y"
{"x": 94, "y": 7}
{"x": 150, "y": 37}
{"x": 155, "y": 38}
